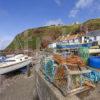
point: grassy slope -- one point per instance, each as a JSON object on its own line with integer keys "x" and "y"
{"x": 93, "y": 24}
{"x": 32, "y": 38}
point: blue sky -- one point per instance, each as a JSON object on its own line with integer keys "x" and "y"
{"x": 19, "y": 15}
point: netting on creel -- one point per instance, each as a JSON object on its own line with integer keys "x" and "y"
{"x": 94, "y": 76}
{"x": 49, "y": 70}
{"x": 60, "y": 75}
{"x": 84, "y": 53}
{"x": 52, "y": 72}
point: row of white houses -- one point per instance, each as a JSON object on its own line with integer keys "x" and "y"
{"x": 93, "y": 36}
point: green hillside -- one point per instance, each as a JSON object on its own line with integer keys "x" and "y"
{"x": 93, "y": 24}
{"x": 40, "y": 37}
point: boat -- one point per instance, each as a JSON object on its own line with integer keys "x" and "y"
{"x": 14, "y": 62}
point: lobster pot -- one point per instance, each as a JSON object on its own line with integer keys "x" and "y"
{"x": 49, "y": 70}
{"x": 93, "y": 76}
{"x": 84, "y": 53}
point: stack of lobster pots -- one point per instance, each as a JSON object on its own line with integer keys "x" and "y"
{"x": 73, "y": 61}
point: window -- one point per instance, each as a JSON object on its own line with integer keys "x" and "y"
{"x": 95, "y": 38}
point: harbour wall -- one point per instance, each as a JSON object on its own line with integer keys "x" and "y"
{"x": 46, "y": 91}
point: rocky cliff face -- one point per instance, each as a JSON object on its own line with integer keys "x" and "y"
{"x": 40, "y": 37}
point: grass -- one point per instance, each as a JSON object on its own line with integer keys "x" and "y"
{"x": 35, "y": 36}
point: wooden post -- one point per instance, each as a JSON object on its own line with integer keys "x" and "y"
{"x": 28, "y": 71}
{"x": 0, "y": 83}
{"x": 1, "y": 79}
{"x": 69, "y": 84}
{"x": 69, "y": 80}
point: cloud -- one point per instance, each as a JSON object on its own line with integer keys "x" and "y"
{"x": 54, "y": 22}
{"x": 80, "y": 4}
{"x": 83, "y": 3}
{"x": 73, "y": 12}
{"x": 58, "y": 2}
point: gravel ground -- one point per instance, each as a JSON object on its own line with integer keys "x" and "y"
{"x": 19, "y": 87}
{"x": 92, "y": 95}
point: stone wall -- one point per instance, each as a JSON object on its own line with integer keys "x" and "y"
{"x": 46, "y": 91}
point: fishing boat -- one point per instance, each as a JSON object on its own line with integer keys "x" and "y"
{"x": 14, "y": 62}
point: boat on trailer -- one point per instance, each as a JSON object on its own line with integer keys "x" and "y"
{"x": 14, "y": 62}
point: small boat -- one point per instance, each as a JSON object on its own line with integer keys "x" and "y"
{"x": 14, "y": 62}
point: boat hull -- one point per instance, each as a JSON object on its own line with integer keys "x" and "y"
{"x": 4, "y": 70}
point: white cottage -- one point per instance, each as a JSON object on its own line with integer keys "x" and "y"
{"x": 93, "y": 36}
{"x": 52, "y": 45}
{"x": 90, "y": 37}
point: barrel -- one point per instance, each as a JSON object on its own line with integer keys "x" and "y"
{"x": 94, "y": 61}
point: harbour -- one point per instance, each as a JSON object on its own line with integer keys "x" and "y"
{"x": 53, "y": 60}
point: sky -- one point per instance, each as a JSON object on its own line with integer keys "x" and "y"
{"x": 19, "y": 15}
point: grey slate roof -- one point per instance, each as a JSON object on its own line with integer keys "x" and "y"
{"x": 94, "y": 33}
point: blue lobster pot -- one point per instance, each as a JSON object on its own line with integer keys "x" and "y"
{"x": 94, "y": 61}
{"x": 94, "y": 76}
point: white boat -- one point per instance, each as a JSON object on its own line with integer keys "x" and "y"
{"x": 14, "y": 63}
